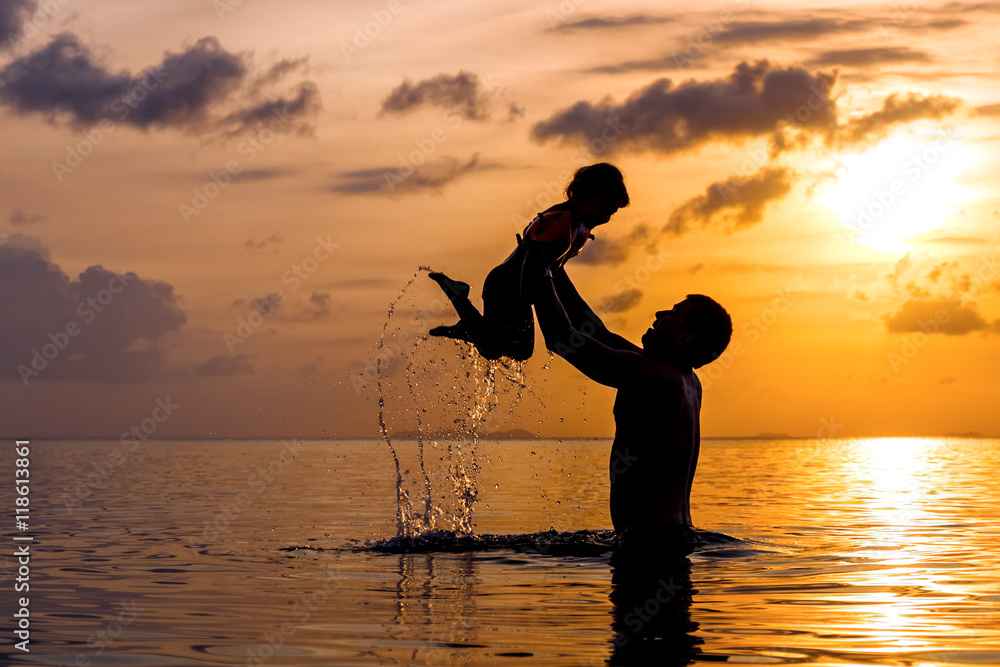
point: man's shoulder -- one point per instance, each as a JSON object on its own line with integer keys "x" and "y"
{"x": 663, "y": 375}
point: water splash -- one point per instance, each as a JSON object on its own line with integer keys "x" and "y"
{"x": 473, "y": 395}
{"x": 569, "y": 543}
{"x": 403, "y": 505}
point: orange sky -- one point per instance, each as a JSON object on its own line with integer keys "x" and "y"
{"x": 824, "y": 171}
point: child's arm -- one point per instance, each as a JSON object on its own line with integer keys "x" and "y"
{"x": 537, "y": 257}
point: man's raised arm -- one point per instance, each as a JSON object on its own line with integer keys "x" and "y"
{"x": 579, "y": 312}
{"x": 601, "y": 363}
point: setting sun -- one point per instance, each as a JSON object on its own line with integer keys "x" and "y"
{"x": 899, "y": 188}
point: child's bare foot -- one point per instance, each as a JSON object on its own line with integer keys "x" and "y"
{"x": 451, "y": 287}
{"x": 457, "y": 331}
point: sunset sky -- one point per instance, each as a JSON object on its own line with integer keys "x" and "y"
{"x": 827, "y": 172}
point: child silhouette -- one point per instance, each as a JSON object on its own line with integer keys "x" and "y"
{"x": 506, "y": 327}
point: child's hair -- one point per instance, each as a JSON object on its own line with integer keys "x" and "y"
{"x": 711, "y": 328}
{"x": 599, "y": 180}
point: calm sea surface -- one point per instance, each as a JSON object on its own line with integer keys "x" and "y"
{"x": 867, "y": 552}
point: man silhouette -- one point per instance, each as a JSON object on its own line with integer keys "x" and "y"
{"x": 657, "y": 409}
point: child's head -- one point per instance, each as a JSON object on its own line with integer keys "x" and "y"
{"x": 599, "y": 181}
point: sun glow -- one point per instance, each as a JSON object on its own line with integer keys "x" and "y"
{"x": 903, "y": 186}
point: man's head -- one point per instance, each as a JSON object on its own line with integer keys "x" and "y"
{"x": 695, "y": 332}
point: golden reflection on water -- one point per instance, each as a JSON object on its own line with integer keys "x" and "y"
{"x": 866, "y": 551}
{"x": 897, "y": 472}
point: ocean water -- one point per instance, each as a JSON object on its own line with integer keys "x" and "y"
{"x": 865, "y": 552}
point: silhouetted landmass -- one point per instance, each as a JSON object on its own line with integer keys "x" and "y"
{"x": 966, "y": 434}
{"x": 510, "y": 434}
{"x": 774, "y": 436}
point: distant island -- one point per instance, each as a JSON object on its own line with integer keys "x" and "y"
{"x": 510, "y": 434}
{"x": 967, "y": 434}
{"x": 774, "y": 436}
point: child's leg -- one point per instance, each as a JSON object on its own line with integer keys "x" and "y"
{"x": 471, "y": 321}
{"x": 520, "y": 342}
{"x": 508, "y": 325}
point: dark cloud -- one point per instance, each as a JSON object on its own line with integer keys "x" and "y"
{"x": 276, "y": 307}
{"x": 63, "y": 78}
{"x": 658, "y": 64}
{"x": 748, "y": 32}
{"x": 612, "y": 22}
{"x": 918, "y": 27}
{"x": 279, "y": 70}
{"x": 866, "y": 57}
{"x": 19, "y": 217}
{"x": 225, "y": 365}
{"x": 12, "y": 15}
{"x": 788, "y": 105}
{"x": 947, "y": 315}
{"x": 737, "y": 267}
{"x": 733, "y": 204}
{"x": 988, "y": 110}
{"x": 897, "y": 109}
{"x": 766, "y": 32}
{"x": 968, "y": 8}
{"x": 319, "y": 306}
{"x": 462, "y": 92}
{"x": 432, "y": 175}
{"x": 310, "y": 369}
{"x": 954, "y": 240}
{"x": 614, "y": 251}
{"x": 619, "y": 303}
{"x": 261, "y": 174}
{"x": 278, "y": 113}
{"x": 755, "y": 100}
{"x": 254, "y": 246}
{"x": 363, "y": 283}
{"x": 118, "y": 319}
{"x": 189, "y": 90}
{"x": 316, "y": 308}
